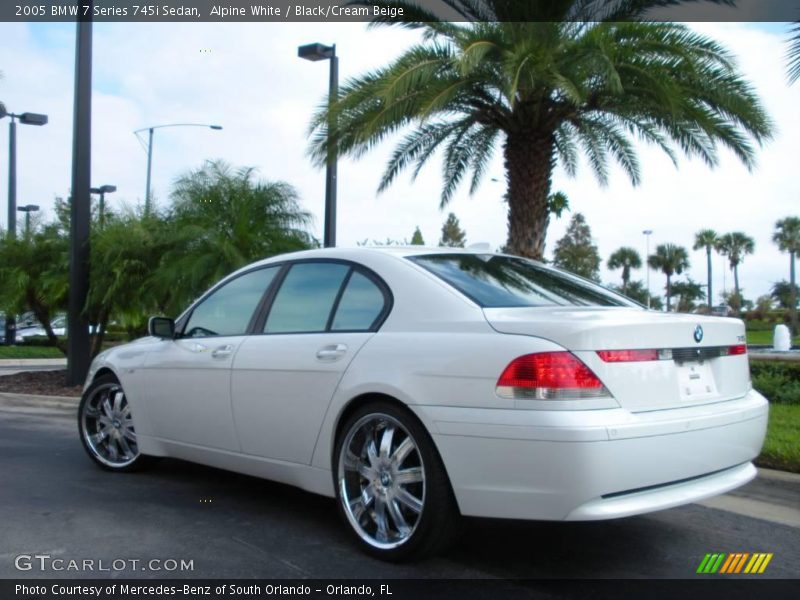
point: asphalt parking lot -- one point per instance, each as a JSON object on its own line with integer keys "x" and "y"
{"x": 56, "y": 502}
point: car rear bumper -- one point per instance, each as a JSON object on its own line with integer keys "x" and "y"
{"x": 599, "y": 464}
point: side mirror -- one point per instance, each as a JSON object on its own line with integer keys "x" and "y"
{"x": 161, "y": 327}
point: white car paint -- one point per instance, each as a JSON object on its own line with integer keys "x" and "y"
{"x": 270, "y": 405}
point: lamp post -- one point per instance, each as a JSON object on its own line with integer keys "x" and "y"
{"x": 26, "y": 119}
{"x": 150, "y": 131}
{"x": 315, "y": 52}
{"x": 647, "y": 233}
{"x": 102, "y": 191}
{"x": 28, "y": 209}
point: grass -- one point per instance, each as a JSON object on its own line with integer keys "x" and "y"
{"x": 30, "y": 352}
{"x": 782, "y": 446}
{"x": 765, "y": 338}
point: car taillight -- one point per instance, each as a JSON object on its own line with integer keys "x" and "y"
{"x": 613, "y": 356}
{"x": 737, "y": 350}
{"x": 549, "y": 376}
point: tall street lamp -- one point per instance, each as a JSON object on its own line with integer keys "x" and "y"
{"x": 150, "y": 131}
{"x": 26, "y": 119}
{"x": 102, "y": 191}
{"x": 315, "y": 52}
{"x": 647, "y": 233}
{"x": 28, "y": 209}
{"x": 78, "y": 341}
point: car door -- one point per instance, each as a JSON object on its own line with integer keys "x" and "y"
{"x": 284, "y": 376}
{"x": 188, "y": 379}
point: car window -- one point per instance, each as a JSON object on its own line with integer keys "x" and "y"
{"x": 306, "y": 297}
{"x": 359, "y": 306}
{"x": 495, "y": 281}
{"x": 227, "y": 311}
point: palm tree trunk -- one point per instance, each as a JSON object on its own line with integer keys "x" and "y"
{"x": 736, "y": 284}
{"x": 669, "y": 291}
{"x": 529, "y": 162}
{"x": 793, "y": 294}
{"x": 710, "y": 295}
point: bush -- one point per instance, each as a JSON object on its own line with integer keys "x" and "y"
{"x": 779, "y": 381}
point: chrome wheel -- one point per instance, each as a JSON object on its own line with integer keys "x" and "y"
{"x": 381, "y": 479}
{"x": 107, "y": 426}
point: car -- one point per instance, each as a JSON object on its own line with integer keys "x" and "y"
{"x": 419, "y": 385}
{"x": 58, "y": 326}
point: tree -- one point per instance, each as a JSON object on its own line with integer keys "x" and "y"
{"x": 670, "y": 259}
{"x": 687, "y": 292}
{"x": 787, "y": 236}
{"x": 34, "y": 276}
{"x": 223, "y": 219}
{"x": 452, "y": 234}
{"x": 575, "y": 251}
{"x": 784, "y": 294}
{"x": 708, "y": 239}
{"x": 549, "y": 81}
{"x": 637, "y": 291}
{"x": 416, "y": 239}
{"x": 794, "y": 53}
{"x": 128, "y": 256}
{"x": 736, "y": 246}
{"x": 625, "y": 258}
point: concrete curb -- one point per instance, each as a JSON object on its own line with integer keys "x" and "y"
{"x": 32, "y": 362}
{"x": 35, "y": 400}
{"x": 778, "y": 475}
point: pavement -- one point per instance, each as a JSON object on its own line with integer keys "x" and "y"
{"x": 55, "y": 501}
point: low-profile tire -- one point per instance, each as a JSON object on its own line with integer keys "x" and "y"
{"x": 391, "y": 486}
{"x": 106, "y": 427}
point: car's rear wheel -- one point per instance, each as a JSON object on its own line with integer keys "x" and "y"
{"x": 106, "y": 427}
{"x": 391, "y": 485}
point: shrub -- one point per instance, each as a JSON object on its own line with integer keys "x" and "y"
{"x": 779, "y": 381}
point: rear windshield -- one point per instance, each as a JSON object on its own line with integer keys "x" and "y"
{"x": 495, "y": 281}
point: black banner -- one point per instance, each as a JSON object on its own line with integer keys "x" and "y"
{"x": 342, "y": 11}
{"x": 397, "y": 589}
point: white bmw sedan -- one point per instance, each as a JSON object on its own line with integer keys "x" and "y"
{"x": 416, "y": 385}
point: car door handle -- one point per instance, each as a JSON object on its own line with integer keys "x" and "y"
{"x": 332, "y": 352}
{"x": 222, "y": 351}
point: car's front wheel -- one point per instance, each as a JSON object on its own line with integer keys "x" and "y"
{"x": 391, "y": 485}
{"x": 106, "y": 427}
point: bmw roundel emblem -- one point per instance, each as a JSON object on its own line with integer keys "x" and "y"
{"x": 698, "y": 334}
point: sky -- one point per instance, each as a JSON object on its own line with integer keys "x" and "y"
{"x": 248, "y": 79}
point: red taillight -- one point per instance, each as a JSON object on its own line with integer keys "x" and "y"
{"x": 737, "y": 350}
{"x": 614, "y": 356}
{"x": 549, "y": 375}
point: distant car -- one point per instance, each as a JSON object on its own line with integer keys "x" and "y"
{"x": 58, "y": 325}
{"x": 721, "y": 310}
{"x": 416, "y": 385}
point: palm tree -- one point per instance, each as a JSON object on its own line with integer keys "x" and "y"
{"x": 794, "y": 53}
{"x": 225, "y": 218}
{"x": 549, "y": 81}
{"x": 670, "y": 259}
{"x": 687, "y": 292}
{"x": 707, "y": 238}
{"x": 736, "y": 246}
{"x": 625, "y": 258}
{"x": 787, "y": 236}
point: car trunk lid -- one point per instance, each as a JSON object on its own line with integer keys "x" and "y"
{"x": 694, "y": 363}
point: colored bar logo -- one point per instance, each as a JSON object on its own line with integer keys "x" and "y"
{"x": 736, "y": 562}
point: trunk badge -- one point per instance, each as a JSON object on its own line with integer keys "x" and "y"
{"x": 698, "y": 334}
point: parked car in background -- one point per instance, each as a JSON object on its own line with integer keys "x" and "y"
{"x": 417, "y": 385}
{"x": 58, "y": 325}
{"x": 721, "y": 310}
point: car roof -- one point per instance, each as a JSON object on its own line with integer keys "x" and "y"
{"x": 345, "y": 252}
